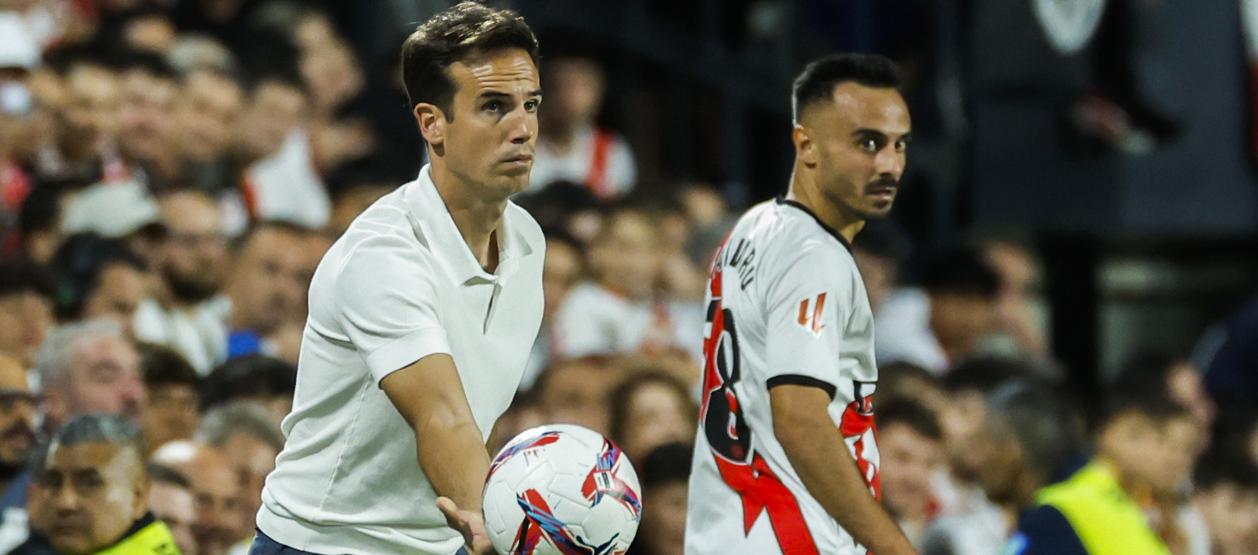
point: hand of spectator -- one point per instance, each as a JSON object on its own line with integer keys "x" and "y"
{"x": 469, "y": 523}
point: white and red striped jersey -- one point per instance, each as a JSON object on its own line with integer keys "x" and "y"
{"x": 785, "y": 305}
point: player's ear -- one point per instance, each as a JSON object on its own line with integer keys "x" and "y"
{"x": 432, "y": 122}
{"x": 805, "y": 148}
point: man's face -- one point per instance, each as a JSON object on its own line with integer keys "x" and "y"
{"x": 253, "y": 459}
{"x": 626, "y": 256}
{"x": 194, "y": 255}
{"x": 488, "y": 138}
{"x": 560, "y": 272}
{"x": 268, "y": 282}
{"x": 963, "y": 429}
{"x": 664, "y": 516}
{"x": 88, "y": 495}
{"x": 25, "y": 318}
{"x": 144, "y": 115}
{"x": 576, "y": 393}
{"x": 1160, "y": 454}
{"x": 1231, "y": 514}
{"x": 857, "y": 144}
{"x": 105, "y": 378}
{"x": 207, "y": 111}
{"x": 170, "y": 414}
{"x": 216, "y": 486}
{"x": 89, "y": 114}
{"x": 118, "y": 293}
{"x": 878, "y": 273}
{"x": 576, "y": 87}
{"x": 909, "y": 459}
{"x": 274, "y": 109}
{"x": 177, "y": 508}
{"x": 657, "y": 415}
{"x": 17, "y": 418}
{"x": 961, "y": 320}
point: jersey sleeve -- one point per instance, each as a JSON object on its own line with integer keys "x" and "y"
{"x": 807, "y": 297}
{"x": 387, "y": 305}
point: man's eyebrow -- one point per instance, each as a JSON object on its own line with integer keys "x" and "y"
{"x": 500, "y": 94}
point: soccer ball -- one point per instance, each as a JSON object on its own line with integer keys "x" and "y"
{"x": 561, "y": 490}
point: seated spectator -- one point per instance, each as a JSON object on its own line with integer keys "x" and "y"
{"x": 267, "y": 381}
{"x": 572, "y": 147}
{"x": 943, "y": 322}
{"x": 1021, "y": 311}
{"x": 82, "y": 145}
{"x": 650, "y": 409}
{"x": 170, "y": 499}
{"x": 1121, "y": 502}
{"x": 575, "y": 392}
{"x": 146, "y": 127}
{"x": 89, "y": 367}
{"x": 1154, "y": 373}
{"x": 99, "y": 278}
{"x": 903, "y": 380}
{"x": 17, "y": 441}
{"x": 205, "y": 118}
{"x": 39, "y": 222}
{"x": 561, "y": 270}
{"x": 215, "y": 486}
{"x": 910, "y": 448}
{"x": 173, "y": 410}
{"x": 665, "y": 477}
{"x": 245, "y": 432}
{"x": 619, "y": 312}
{"x": 122, "y": 210}
{"x": 26, "y": 309}
{"x": 90, "y": 492}
{"x": 1227, "y": 496}
{"x": 188, "y": 314}
{"x": 267, "y": 286}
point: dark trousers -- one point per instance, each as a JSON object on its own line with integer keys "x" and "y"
{"x": 264, "y": 545}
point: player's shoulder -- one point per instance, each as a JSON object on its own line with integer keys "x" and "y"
{"x": 788, "y": 233}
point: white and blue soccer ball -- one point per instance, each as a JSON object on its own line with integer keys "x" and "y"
{"x": 561, "y": 490}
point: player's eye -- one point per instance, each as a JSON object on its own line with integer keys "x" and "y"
{"x": 901, "y": 146}
{"x": 531, "y": 105}
{"x": 494, "y": 106}
{"x": 869, "y": 145}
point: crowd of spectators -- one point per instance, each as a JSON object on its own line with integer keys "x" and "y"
{"x": 171, "y": 174}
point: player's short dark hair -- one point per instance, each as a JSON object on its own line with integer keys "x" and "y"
{"x": 162, "y": 366}
{"x": 623, "y": 393}
{"x": 818, "y": 79}
{"x": 912, "y": 414}
{"x": 247, "y": 376}
{"x": 79, "y": 264}
{"x": 465, "y": 30}
{"x": 666, "y": 464}
{"x": 959, "y": 269}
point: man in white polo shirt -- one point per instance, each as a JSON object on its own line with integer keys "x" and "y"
{"x": 421, "y": 316}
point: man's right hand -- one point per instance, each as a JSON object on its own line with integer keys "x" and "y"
{"x": 469, "y": 523}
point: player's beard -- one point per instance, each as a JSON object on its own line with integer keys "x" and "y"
{"x": 873, "y": 212}
{"x": 191, "y": 289}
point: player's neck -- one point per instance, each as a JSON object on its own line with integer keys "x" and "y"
{"x": 476, "y": 216}
{"x": 806, "y": 192}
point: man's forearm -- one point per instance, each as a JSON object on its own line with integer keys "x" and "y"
{"x": 831, "y": 476}
{"x": 455, "y": 461}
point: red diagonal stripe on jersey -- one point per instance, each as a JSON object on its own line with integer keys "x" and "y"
{"x": 761, "y": 490}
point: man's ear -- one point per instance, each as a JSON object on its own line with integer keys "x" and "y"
{"x": 805, "y": 148}
{"x": 432, "y": 123}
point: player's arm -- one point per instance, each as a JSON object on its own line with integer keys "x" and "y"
{"x": 800, "y": 421}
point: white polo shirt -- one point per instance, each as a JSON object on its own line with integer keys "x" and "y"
{"x": 399, "y": 285}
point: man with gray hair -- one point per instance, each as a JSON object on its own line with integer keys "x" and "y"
{"x": 86, "y": 368}
{"x": 90, "y": 492}
{"x": 246, "y": 432}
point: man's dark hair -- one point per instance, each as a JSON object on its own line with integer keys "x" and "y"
{"x": 1158, "y": 407}
{"x": 41, "y": 210}
{"x": 912, "y": 414}
{"x": 94, "y": 428}
{"x": 961, "y": 270}
{"x": 78, "y": 266}
{"x": 623, "y": 395}
{"x": 146, "y": 62}
{"x": 163, "y": 366}
{"x": 19, "y": 274}
{"x": 819, "y": 77}
{"x": 247, "y": 376}
{"x": 985, "y": 374}
{"x": 1145, "y": 373}
{"x": 282, "y": 226}
{"x": 1221, "y": 466}
{"x": 465, "y": 30}
{"x": 666, "y": 464}
{"x": 1046, "y": 428}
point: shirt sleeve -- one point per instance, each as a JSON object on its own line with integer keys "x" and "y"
{"x": 807, "y": 298}
{"x": 387, "y": 305}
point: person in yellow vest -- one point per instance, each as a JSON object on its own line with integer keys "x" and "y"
{"x": 90, "y": 494}
{"x": 1123, "y": 501}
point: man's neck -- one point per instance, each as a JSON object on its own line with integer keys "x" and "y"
{"x": 476, "y": 216}
{"x": 804, "y": 190}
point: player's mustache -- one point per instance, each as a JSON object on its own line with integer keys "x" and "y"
{"x": 885, "y": 182}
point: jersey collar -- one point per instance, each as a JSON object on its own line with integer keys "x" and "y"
{"x": 781, "y": 199}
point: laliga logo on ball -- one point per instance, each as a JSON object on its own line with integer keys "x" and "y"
{"x": 561, "y": 490}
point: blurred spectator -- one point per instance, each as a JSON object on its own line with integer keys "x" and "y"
{"x": 39, "y": 223}
{"x": 121, "y": 210}
{"x": 90, "y": 493}
{"x": 170, "y": 499}
{"x": 879, "y": 251}
{"x": 1124, "y": 500}
{"x": 248, "y": 435}
{"x": 216, "y": 488}
{"x": 188, "y": 314}
{"x": 84, "y": 143}
{"x": 561, "y": 270}
{"x": 524, "y": 413}
{"x": 944, "y": 322}
{"x": 650, "y": 409}
{"x": 89, "y": 367}
{"x": 1019, "y": 308}
{"x": 147, "y": 136}
{"x": 1027, "y": 441}
{"x": 205, "y": 114}
{"x": 619, "y": 311}
{"x": 902, "y": 380}
{"x": 267, "y": 286}
{"x": 350, "y": 201}
{"x": 171, "y": 384}
{"x": 910, "y": 447}
{"x": 194, "y": 52}
{"x": 265, "y": 380}
{"x": 26, "y": 316}
{"x": 1227, "y": 496}
{"x": 17, "y": 433}
{"x": 1157, "y": 374}
{"x": 665, "y": 477}
{"x": 575, "y": 391}
{"x": 572, "y": 147}
{"x": 99, "y": 278}
{"x": 567, "y": 207}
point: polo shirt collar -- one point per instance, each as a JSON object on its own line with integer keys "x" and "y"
{"x": 431, "y": 219}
